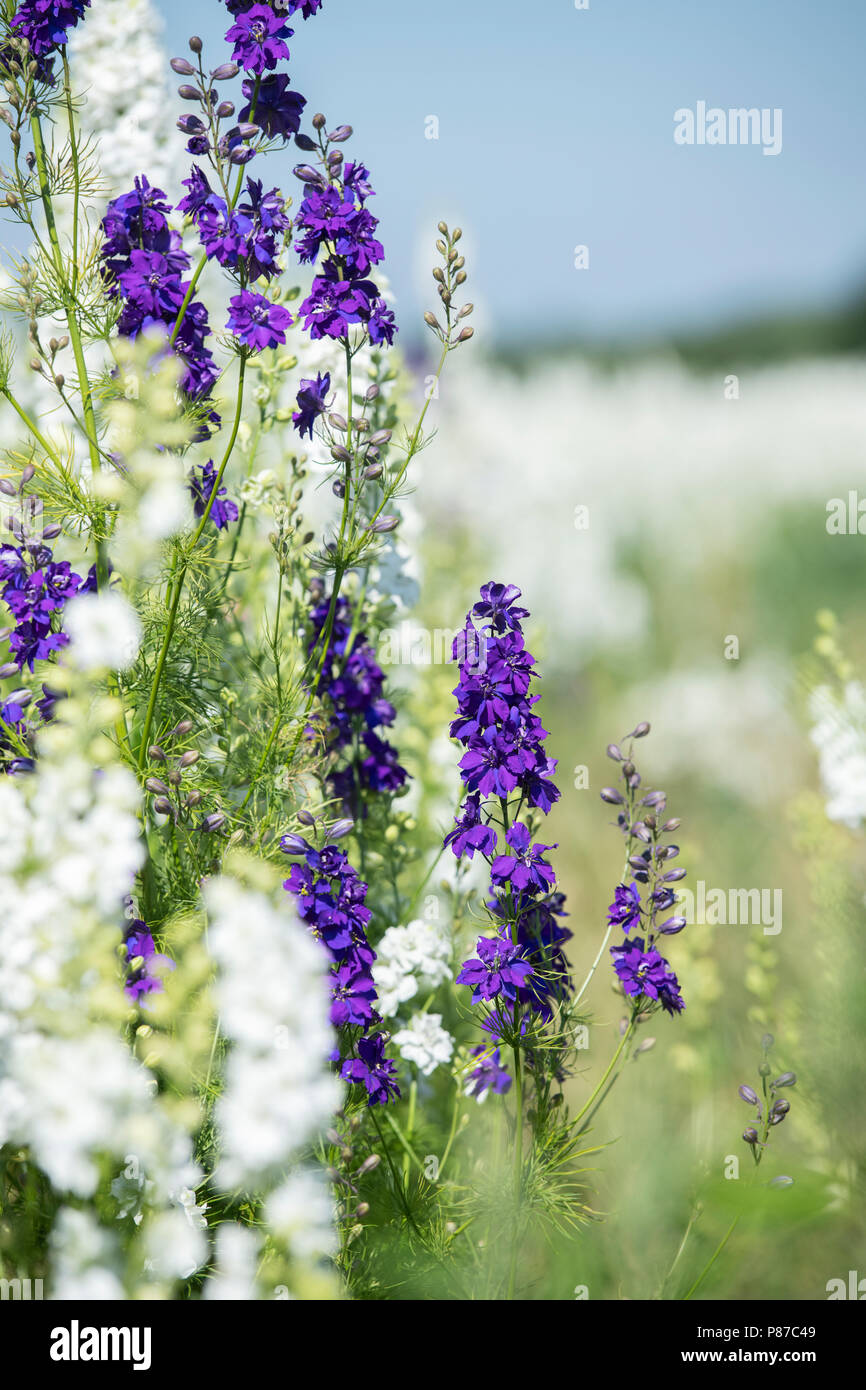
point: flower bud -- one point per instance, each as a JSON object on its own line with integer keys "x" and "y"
{"x": 341, "y": 828}
{"x": 640, "y": 730}
{"x": 213, "y": 822}
{"x": 319, "y": 121}
{"x": 196, "y": 44}
{"x": 293, "y": 844}
{"x": 225, "y": 71}
{"x": 241, "y": 154}
{"x": 187, "y": 759}
{"x": 385, "y": 524}
{"x": 614, "y": 753}
{"x": 343, "y": 132}
{"x": 155, "y": 784}
{"x": 611, "y": 796}
{"x": 188, "y": 93}
{"x": 672, "y": 926}
{"x": 750, "y": 1135}
{"x": 155, "y": 753}
{"x": 369, "y": 1164}
{"x": 304, "y": 142}
{"x": 184, "y": 727}
{"x": 748, "y": 1095}
{"x": 163, "y": 806}
{"x": 788, "y": 1078}
{"x": 183, "y": 67}
{"x": 306, "y": 818}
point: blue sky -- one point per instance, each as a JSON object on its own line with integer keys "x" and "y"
{"x": 556, "y": 130}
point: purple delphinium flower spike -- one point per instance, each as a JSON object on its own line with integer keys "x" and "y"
{"x": 330, "y": 898}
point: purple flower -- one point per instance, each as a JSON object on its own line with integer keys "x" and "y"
{"x": 381, "y": 324}
{"x": 497, "y": 970}
{"x": 333, "y": 304}
{"x": 141, "y": 979}
{"x": 277, "y": 110}
{"x": 201, "y": 485}
{"x": 311, "y": 398}
{"x": 489, "y": 1075}
{"x": 44, "y": 23}
{"x": 258, "y": 36}
{"x": 624, "y": 911}
{"x": 352, "y": 995}
{"x": 526, "y": 868}
{"x": 373, "y": 1070}
{"x": 256, "y": 321}
{"x": 143, "y": 263}
{"x": 470, "y": 833}
{"x": 497, "y": 604}
{"x": 647, "y": 973}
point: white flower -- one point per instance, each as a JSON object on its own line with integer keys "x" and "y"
{"x": 273, "y": 1002}
{"x": 237, "y": 1257}
{"x": 301, "y": 1211}
{"x": 425, "y": 1042}
{"x": 104, "y": 632}
{"x": 406, "y": 956}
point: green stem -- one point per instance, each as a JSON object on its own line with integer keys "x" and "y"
{"x": 705, "y": 1271}
{"x": 178, "y": 582}
{"x": 612, "y": 1063}
{"x": 518, "y": 1167}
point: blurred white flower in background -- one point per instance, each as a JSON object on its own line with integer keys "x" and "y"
{"x": 662, "y": 462}
{"x": 731, "y": 723}
{"x": 839, "y": 734}
{"x": 104, "y": 632}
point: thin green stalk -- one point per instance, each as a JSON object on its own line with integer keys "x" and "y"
{"x": 517, "y": 1167}
{"x": 705, "y": 1271}
{"x": 612, "y": 1063}
{"x": 178, "y": 582}
{"x": 34, "y": 430}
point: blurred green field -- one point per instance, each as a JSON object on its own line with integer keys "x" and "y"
{"x": 730, "y": 746}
